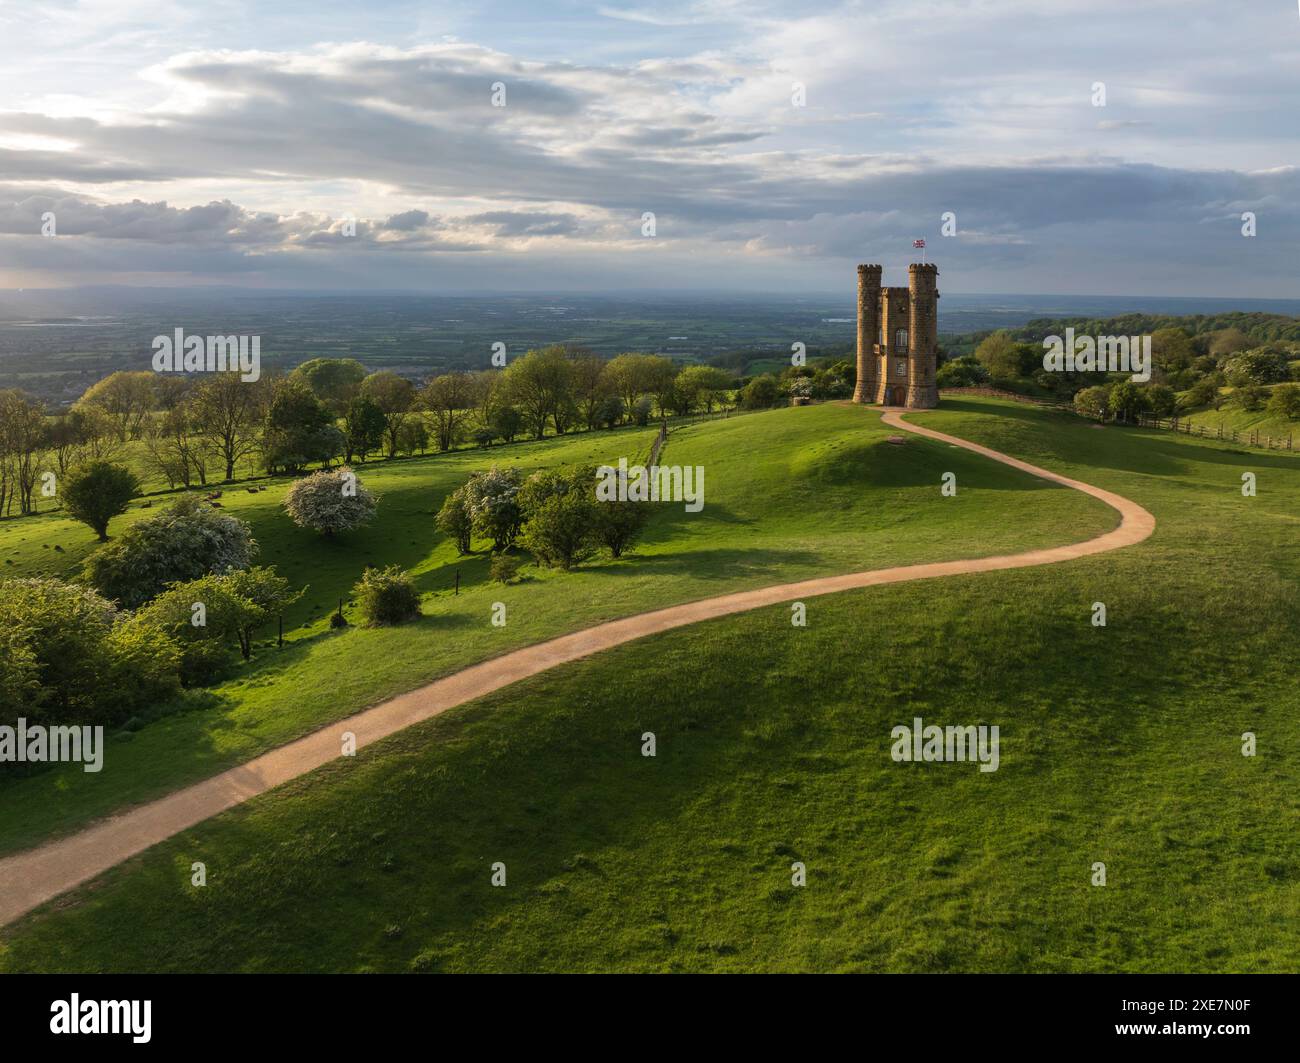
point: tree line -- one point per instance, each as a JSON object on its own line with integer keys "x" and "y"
{"x": 1191, "y": 370}
{"x": 196, "y": 430}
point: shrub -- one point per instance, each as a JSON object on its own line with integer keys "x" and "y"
{"x": 1127, "y": 400}
{"x": 71, "y": 659}
{"x": 186, "y": 540}
{"x": 828, "y": 385}
{"x": 1093, "y": 402}
{"x": 64, "y": 629}
{"x": 760, "y": 392}
{"x": 1264, "y": 365}
{"x": 233, "y": 607}
{"x": 504, "y": 568}
{"x": 330, "y": 501}
{"x": 641, "y": 411}
{"x": 1007, "y": 361}
{"x": 608, "y": 412}
{"x": 507, "y": 422}
{"x": 1285, "y": 402}
{"x": 559, "y": 517}
{"x": 493, "y": 508}
{"x": 617, "y": 524}
{"x": 1204, "y": 392}
{"x": 386, "y": 596}
{"x": 1249, "y": 397}
{"x": 800, "y": 388}
{"x": 19, "y": 674}
{"x": 965, "y": 372}
{"x": 454, "y": 520}
{"x": 144, "y": 665}
{"x": 98, "y": 492}
{"x": 1161, "y": 399}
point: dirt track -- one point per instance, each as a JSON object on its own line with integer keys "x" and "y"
{"x": 30, "y": 878}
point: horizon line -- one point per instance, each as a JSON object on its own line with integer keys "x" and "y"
{"x": 480, "y": 293}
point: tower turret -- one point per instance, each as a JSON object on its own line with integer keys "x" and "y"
{"x": 868, "y": 327}
{"x": 922, "y": 334}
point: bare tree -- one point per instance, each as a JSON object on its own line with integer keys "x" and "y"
{"x": 96, "y": 436}
{"x": 177, "y": 448}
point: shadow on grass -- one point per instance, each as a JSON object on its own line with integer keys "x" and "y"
{"x": 545, "y": 778}
{"x": 705, "y": 565}
{"x": 1124, "y": 448}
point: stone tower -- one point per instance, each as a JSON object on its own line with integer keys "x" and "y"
{"x": 898, "y": 338}
{"x": 868, "y": 328}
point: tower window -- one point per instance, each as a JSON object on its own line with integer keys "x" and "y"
{"x": 901, "y": 370}
{"x": 900, "y": 340}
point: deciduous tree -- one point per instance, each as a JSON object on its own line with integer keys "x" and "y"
{"x": 96, "y": 493}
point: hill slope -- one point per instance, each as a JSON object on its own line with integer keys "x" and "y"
{"x": 1120, "y": 744}
{"x": 790, "y": 494}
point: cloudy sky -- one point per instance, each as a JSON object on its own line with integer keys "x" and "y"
{"x": 359, "y": 145}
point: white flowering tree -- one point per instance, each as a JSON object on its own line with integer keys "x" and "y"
{"x": 493, "y": 506}
{"x": 330, "y": 501}
{"x": 182, "y": 542}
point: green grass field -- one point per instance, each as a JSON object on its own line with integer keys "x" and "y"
{"x": 1120, "y": 744}
{"x": 1246, "y": 421}
{"x": 789, "y": 495}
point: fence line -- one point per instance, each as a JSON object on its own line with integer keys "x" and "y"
{"x": 658, "y": 445}
{"x": 1253, "y": 437}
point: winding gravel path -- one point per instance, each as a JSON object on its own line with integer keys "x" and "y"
{"x": 30, "y": 878}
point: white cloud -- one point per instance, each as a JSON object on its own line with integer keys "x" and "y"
{"x": 196, "y": 139}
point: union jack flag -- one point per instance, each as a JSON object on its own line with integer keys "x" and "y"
{"x": 918, "y": 243}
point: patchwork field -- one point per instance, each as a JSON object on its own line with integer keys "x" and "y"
{"x": 1120, "y": 744}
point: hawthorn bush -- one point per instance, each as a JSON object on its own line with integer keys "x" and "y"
{"x": 330, "y": 501}
{"x": 455, "y": 520}
{"x": 386, "y": 596}
{"x": 494, "y": 509}
{"x": 71, "y": 658}
{"x": 211, "y": 617}
{"x": 187, "y": 540}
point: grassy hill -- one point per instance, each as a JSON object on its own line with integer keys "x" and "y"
{"x": 1119, "y": 744}
{"x": 790, "y": 494}
{"x": 1231, "y": 419}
